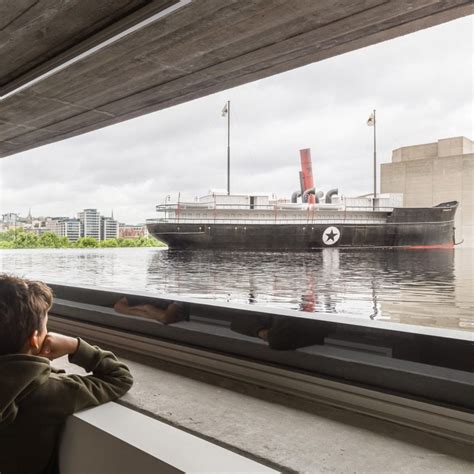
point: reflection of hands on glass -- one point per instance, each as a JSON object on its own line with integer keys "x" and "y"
{"x": 281, "y": 332}
{"x": 172, "y": 313}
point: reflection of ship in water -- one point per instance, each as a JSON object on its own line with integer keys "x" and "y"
{"x": 222, "y": 220}
{"x": 408, "y": 286}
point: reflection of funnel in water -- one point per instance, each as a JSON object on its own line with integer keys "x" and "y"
{"x": 309, "y": 299}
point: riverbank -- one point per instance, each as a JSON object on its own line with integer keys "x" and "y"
{"x": 19, "y": 239}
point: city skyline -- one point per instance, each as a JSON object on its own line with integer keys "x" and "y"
{"x": 57, "y": 216}
{"x": 420, "y": 85}
{"x": 86, "y": 223}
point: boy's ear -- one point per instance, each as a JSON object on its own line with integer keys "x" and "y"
{"x": 34, "y": 342}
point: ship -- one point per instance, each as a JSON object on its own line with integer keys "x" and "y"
{"x": 309, "y": 220}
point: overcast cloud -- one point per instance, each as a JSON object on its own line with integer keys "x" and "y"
{"x": 420, "y": 84}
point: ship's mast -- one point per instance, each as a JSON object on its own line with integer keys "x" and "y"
{"x": 372, "y": 122}
{"x": 228, "y": 147}
{"x": 375, "y": 159}
{"x": 226, "y": 111}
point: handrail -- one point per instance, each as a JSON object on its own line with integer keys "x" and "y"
{"x": 280, "y": 220}
{"x": 269, "y": 207}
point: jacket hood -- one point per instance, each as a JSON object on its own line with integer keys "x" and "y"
{"x": 20, "y": 374}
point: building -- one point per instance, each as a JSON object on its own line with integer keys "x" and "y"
{"x": 70, "y": 228}
{"x": 127, "y": 231}
{"x": 11, "y": 220}
{"x": 52, "y": 224}
{"x": 90, "y": 223}
{"x": 432, "y": 173}
{"x": 109, "y": 228}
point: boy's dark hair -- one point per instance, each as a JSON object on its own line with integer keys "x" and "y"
{"x": 23, "y": 306}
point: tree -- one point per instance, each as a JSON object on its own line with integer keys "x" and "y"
{"x": 10, "y": 234}
{"x": 26, "y": 240}
{"x": 109, "y": 243}
{"x": 18, "y": 238}
{"x": 87, "y": 242}
{"x": 125, "y": 242}
{"x": 50, "y": 240}
{"x": 148, "y": 242}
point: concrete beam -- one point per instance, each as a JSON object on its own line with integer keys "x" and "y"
{"x": 205, "y": 47}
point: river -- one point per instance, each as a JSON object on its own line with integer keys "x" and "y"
{"x": 421, "y": 287}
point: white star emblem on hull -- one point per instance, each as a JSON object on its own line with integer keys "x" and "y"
{"x": 331, "y": 235}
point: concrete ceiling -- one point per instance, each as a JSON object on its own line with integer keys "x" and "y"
{"x": 201, "y": 48}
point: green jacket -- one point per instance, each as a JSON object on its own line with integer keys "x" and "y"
{"x": 35, "y": 401}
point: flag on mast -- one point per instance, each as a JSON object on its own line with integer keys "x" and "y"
{"x": 225, "y": 110}
{"x": 371, "y": 120}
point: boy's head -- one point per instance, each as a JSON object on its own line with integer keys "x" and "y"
{"x": 24, "y": 307}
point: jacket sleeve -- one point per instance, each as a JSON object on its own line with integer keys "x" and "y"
{"x": 110, "y": 378}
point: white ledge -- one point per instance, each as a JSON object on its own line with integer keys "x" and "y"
{"x": 115, "y": 439}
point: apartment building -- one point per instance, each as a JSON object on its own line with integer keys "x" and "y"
{"x": 109, "y": 228}
{"x": 132, "y": 231}
{"x": 89, "y": 223}
{"x": 70, "y": 228}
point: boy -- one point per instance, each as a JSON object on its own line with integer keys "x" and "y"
{"x": 35, "y": 399}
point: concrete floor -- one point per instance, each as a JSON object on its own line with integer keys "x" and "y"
{"x": 289, "y": 434}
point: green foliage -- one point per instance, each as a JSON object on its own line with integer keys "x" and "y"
{"x": 109, "y": 243}
{"x": 19, "y": 239}
{"x": 9, "y": 235}
{"x": 125, "y": 242}
{"x": 26, "y": 240}
{"x": 87, "y": 242}
{"x": 51, "y": 240}
{"x": 148, "y": 242}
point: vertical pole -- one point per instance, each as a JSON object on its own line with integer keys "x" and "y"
{"x": 375, "y": 159}
{"x": 177, "y": 208}
{"x": 228, "y": 147}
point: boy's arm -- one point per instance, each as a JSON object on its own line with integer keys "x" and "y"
{"x": 110, "y": 378}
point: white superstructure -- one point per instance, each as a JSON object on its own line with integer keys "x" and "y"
{"x": 261, "y": 209}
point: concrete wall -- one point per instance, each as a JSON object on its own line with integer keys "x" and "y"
{"x": 408, "y": 153}
{"x": 432, "y": 173}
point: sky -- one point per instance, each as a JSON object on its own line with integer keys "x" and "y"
{"x": 421, "y": 86}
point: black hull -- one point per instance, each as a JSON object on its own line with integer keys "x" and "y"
{"x": 405, "y": 227}
{"x": 298, "y": 237}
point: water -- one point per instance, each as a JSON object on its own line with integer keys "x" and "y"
{"x": 425, "y": 287}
